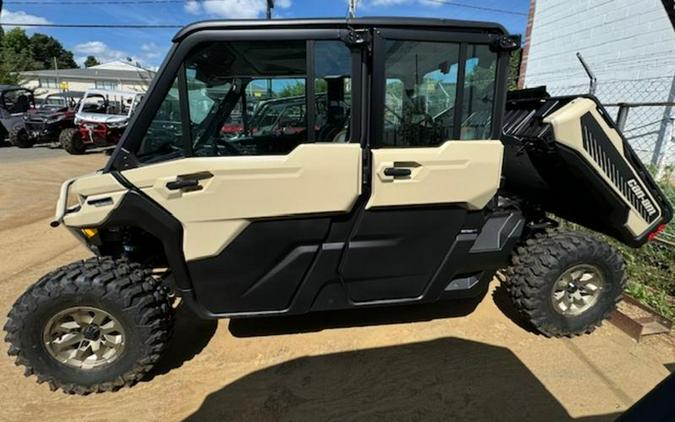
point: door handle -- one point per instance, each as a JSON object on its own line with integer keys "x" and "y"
{"x": 397, "y": 172}
{"x": 182, "y": 184}
{"x": 189, "y": 181}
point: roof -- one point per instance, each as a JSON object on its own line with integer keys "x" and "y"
{"x": 8, "y": 87}
{"x": 117, "y": 65}
{"x": 91, "y": 73}
{"x": 105, "y": 92}
{"x": 458, "y": 25}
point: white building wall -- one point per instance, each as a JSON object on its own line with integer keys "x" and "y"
{"x": 629, "y": 45}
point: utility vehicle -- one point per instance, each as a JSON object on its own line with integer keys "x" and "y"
{"x": 100, "y": 121}
{"x": 441, "y": 179}
{"x": 14, "y": 102}
{"x": 46, "y": 122}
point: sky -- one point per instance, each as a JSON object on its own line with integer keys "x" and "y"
{"x": 149, "y": 46}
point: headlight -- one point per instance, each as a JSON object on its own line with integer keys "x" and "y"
{"x": 117, "y": 125}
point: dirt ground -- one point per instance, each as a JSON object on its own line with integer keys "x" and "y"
{"x": 443, "y": 362}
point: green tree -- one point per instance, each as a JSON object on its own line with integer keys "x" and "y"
{"x": 45, "y": 49}
{"x": 15, "y": 56}
{"x": 514, "y": 69}
{"x": 91, "y": 61}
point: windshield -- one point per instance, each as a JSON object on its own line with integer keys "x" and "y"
{"x": 109, "y": 104}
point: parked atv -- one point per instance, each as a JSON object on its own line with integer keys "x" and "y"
{"x": 436, "y": 183}
{"x": 100, "y": 120}
{"x": 46, "y": 122}
{"x": 14, "y": 102}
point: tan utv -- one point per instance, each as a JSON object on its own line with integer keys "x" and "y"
{"x": 407, "y": 175}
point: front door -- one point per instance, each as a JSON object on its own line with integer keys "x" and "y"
{"x": 435, "y": 159}
{"x": 250, "y": 151}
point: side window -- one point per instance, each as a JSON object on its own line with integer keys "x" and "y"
{"x": 420, "y": 92}
{"x": 332, "y": 87}
{"x": 479, "y": 92}
{"x": 247, "y": 98}
{"x": 163, "y": 140}
{"x": 18, "y": 101}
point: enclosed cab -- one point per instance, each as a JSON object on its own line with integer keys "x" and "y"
{"x": 373, "y": 166}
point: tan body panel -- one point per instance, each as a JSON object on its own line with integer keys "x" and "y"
{"x": 567, "y": 129}
{"x": 90, "y": 188}
{"x": 312, "y": 179}
{"x": 462, "y": 172}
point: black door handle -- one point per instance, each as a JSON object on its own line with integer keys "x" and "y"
{"x": 397, "y": 171}
{"x": 182, "y": 184}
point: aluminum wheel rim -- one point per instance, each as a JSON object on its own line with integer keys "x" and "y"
{"x": 577, "y": 290}
{"x": 84, "y": 337}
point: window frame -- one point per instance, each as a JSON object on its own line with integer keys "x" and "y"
{"x": 173, "y": 67}
{"x": 464, "y": 40}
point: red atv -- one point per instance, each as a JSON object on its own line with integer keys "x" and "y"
{"x": 100, "y": 120}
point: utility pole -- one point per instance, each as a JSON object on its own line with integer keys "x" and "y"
{"x": 56, "y": 68}
{"x": 352, "y": 9}
{"x": 270, "y": 6}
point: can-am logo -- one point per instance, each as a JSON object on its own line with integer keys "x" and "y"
{"x": 642, "y": 197}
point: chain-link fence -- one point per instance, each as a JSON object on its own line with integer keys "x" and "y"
{"x": 644, "y": 109}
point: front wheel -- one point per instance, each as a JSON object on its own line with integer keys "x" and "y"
{"x": 565, "y": 283}
{"x": 19, "y": 137}
{"x": 91, "y": 326}
{"x": 71, "y": 140}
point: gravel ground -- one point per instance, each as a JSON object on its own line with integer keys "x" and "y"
{"x": 450, "y": 361}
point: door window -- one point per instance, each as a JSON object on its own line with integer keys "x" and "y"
{"x": 479, "y": 92}
{"x": 420, "y": 92}
{"x": 423, "y": 106}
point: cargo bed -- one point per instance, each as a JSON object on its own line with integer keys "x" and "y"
{"x": 566, "y": 155}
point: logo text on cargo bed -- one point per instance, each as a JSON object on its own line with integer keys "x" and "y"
{"x": 642, "y": 197}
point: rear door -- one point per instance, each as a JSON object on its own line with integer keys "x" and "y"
{"x": 255, "y": 199}
{"x": 435, "y": 158}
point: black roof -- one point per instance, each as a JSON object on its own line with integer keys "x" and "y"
{"x": 318, "y": 23}
{"x": 9, "y": 87}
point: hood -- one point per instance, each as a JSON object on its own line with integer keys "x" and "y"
{"x": 102, "y": 118}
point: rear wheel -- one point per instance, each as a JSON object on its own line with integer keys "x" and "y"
{"x": 71, "y": 140}
{"x": 565, "y": 283}
{"x": 91, "y": 326}
{"x": 19, "y": 137}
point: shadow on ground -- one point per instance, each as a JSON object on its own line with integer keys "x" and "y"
{"x": 190, "y": 336}
{"x": 445, "y": 379}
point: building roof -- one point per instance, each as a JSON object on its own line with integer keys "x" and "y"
{"x": 132, "y": 74}
{"x": 117, "y": 65}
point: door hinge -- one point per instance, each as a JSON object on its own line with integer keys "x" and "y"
{"x": 358, "y": 38}
{"x": 505, "y": 43}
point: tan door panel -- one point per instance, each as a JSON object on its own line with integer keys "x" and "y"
{"x": 313, "y": 178}
{"x": 462, "y": 172}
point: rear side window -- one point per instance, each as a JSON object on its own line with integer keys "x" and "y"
{"x": 420, "y": 92}
{"x": 479, "y": 92}
{"x": 429, "y": 99}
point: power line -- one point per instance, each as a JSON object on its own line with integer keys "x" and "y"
{"x": 471, "y": 6}
{"x": 130, "y": 2}
{"x": 90, "y": 25}
{"x": 94, "y": 3}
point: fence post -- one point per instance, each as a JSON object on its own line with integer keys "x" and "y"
{"x": 622, "y": 116}
{"x": 661, "y": 149}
